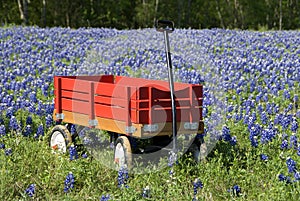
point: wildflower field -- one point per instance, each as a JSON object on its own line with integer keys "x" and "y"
{"x": 251, "y": 113}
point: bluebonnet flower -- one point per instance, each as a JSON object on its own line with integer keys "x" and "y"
{"x": 69, "y": 182}
{"x": 105, "y": 198}
{"x": 2, "y": 146}
{"x": 286, "y": 94}
{"x": 32, "y": 97}
{"x": 233, "y": 140}
{"x": 39, "y": 131}
{"x": 277, "y": 119}
{"x": 253, "y": 140}
{"x": 289, "y": 108}
{"x": 284, "y": 144}
{"x": 49, "y": 120}
{"x": 122, "y": 177}
{"x": 235, "y": 190}
{"x": 146, "y": 192}
{"x": 264, "y": 118}
{"x": 285, "y": 122}
{"x": 226, "y": 134}
{"x": 297, "y": 176}
{"x": 73, "y": 129}
{"x": 172, "y": 158}
{"x": 269, "y": 109}
{"x": 264, "y": 157}
{"x": 2, "y": 130}
{"x": 29, "y": 120}
{"x": 294, "y": 126}
{"x": 73, "y": 152}
{"x": 196, "y": 185}
{"x": 30, "y": 190}
{"x": 254, "y": 116}
{"x": 10, "y": 112}
{"x": 298, "y": 114}
{"x": 13, "y": 123}
{"x": 293, "y": 141}
{"x": 298, "y": 150}
{"x": 281, "y": 177}
{"x": 27, "y": 131}
{"x": 8, "y": 151}
{"x": 296, "y": 98}
{"x": 291, "y": 165}
{"x": 84, "y": 155}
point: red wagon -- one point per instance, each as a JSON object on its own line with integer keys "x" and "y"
{"x": 126, "y": 108}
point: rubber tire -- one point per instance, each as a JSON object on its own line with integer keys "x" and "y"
{"x": 65, "y": 133}
{"x": 125, "y": 143}
{"x": 198, "y": 151}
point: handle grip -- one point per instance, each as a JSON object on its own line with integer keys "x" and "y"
{"x": 164, "y": 25}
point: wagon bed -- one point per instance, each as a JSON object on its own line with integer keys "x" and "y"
{"x": 132, "y": 106}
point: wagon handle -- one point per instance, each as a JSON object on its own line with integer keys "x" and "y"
{"x": 167, "y": 27}
{"x": 164, "y": 25}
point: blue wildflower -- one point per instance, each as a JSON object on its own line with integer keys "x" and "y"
{"x": 73, "y": 129}
{"x": 291, "y": 165}
{"x": 196, "y": 185}
{"x": 8, "y": 151}
{"x": 172, "y": 158}
{"x": 40, "y": 131}
{"x": 13, "y": 123}
{"x": 293, "y": 141}
{"x": 122, "y": 177}
{"x": 2, "y": 146}
{"x": 69, "y": 182}
{"x": 2, "y": 130}
{"x": 284, "y": 144}
{"x": 146, "y": 192}
{"x": 30, "y": 190}
{"x": 49, "y": 120}
{"x": 281, "y": 177}
{"x": 235, "y": 190}
{"x": 286, "y": 94}
{"x": 29, "y": 120}
{"x": 27, "y": 131}
{"x": 73, "y": 152}
{"x": 10, "y": 112}
{"x": 264, "y": 157}
{"x": 264, "y": 118}
{"x": 297, "y": 176}
{"x": 226, "y": 134}
{"x": 105, "y": 198}
{"x": 294, "y": 126}
{"x": 84, "y": 155}
{"x": 233, "y": 140}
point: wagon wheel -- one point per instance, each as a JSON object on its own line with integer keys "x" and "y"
{"x": 60, "y": 139}
{"x": 198, "y": 150}
{"x": 123, "y": 154}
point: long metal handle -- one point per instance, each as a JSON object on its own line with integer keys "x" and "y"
{"x": 166, "y": 31}
{"x": 171, "y": 83}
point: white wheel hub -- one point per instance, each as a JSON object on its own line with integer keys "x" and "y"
{"x": 120, "y": 155}
{"x": 58, "y": 142}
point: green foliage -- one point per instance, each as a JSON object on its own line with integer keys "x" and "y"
{"x": 242, "y": 14}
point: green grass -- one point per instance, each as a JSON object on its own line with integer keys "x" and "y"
{"x": 32, "y": 162}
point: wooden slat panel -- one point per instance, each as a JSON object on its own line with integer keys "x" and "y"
{"x": 75, "y": 106}
{"x": 160, "y": 94}
{"x": 110, "y": 90}
{"x": 75, "y": 85}
{"x": 167, "y": 103}
{"x": 110, "y": 101}
{"x": 74, "y": 95}
{"x": 97, "y": 78}
{"x": 110, "y": 112}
